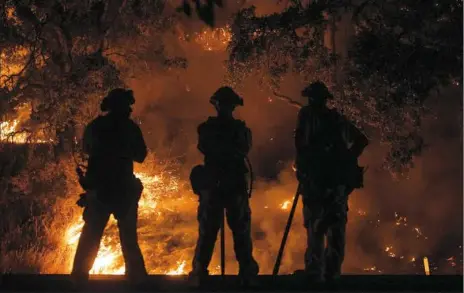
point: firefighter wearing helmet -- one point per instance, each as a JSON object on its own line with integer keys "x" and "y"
{"x": 221, "y": 183}
{"x": 327, "y": 149}
{"x": 113, "y": 142}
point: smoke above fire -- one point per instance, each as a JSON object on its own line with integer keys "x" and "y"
{"x": 411, "y": 217}
{"x": 392, "y": 224}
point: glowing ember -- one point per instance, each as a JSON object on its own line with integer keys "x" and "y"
{"x": 11, "y": 16}
{"x": 452, "y": 261}
{"x": 361, "y": 212}
{"x": 419, "y": 233}
{"x": 371, "y": 269}
{"x": 389, "y": 250}
{"x": 400, "y": 220}
{"x": 214, "y": 39}
{"x": 426, "y": 266}
{"x": 285, "y": 205}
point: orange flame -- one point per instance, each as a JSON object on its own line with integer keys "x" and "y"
{"x": 285, "y": 205}
{"x": 214, "y": 39}
{"x": 109, "y": 258}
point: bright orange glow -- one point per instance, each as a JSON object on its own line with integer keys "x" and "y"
{"x": 426, "y": 266}
{"x": 109, "y": 259}
{"x": 11, "y": 130}
{"x": 12, "y": 63}
{"x": 389, "y": 251}
{"x": 214, "y": 39}
{"x": 285, "y": 205}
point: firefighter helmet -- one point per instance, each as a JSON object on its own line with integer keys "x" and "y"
{"x": 317, "y": 91}
{"x": 226, "y": 95}
{"x": 117, "y": 99}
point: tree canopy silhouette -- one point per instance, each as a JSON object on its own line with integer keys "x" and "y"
{"x": 61, "y": 56}
{"x": 400, "y": 53}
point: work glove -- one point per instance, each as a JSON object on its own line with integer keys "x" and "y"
{"x": 82, "y": 202}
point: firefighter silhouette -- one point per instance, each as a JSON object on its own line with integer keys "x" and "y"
{"x": 327, "y": 151}
{"x": 221, "y": 183}
{"x": 112, "y": 142}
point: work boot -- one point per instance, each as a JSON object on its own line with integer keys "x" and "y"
{"x": 332, "y": 271}
{"x": 314, "y": 272}
{"x": 310, "y": 275}
{"x": 299, "y": 273}
{"x": 332, "y": 281}
{"x": 79, "y": 281}
{"x": 247, "y": 274}
{"x": 315, "y": 278}
{"x": 197, "y": 278}
{"x": 137, "y": 280}
{"x": 332, "y": 278}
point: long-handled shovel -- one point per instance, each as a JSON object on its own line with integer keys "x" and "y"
{"x": 286, "y": 232}
{"x": 223, "y": 246}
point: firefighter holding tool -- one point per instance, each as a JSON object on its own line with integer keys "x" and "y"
{"x": 221, "y": 184}
{"x": 327, "y": 151}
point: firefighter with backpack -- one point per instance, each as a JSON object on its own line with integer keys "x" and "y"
{"x": 113, "y": 143}
{"x": 221, "y": 183}
{"x": 327, "y": 151}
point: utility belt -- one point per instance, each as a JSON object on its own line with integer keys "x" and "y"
{"x": 115, "y": 199}
{"x": 330, "y": 171}
{"x": 209, "y": 177}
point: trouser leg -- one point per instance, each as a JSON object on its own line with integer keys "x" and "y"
{"x": 335, "y": 252}
{"x": 314, "y": 255}
{"x": 335, "y": 249}
{"x": 133, "y": 258}
{"x": 312, "y": 213}
{"x": 209, "y": 220}
{"x": 95, "y": 219}
{"x": 238, "y": 215}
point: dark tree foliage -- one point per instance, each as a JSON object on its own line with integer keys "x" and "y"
{"x": 60, "y": 58}
{"x": 279, "y": 43}
{"x": 400, "y": 53}
{"x": 205, "y": 11}
{"x": 67, "y": 54}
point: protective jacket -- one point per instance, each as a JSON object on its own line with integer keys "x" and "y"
{"x": 224, "y": 143}
{"x": 221, "y": 184}
{"x": 113, "y": 144}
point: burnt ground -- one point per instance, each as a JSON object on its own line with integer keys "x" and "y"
{"x": 283, "y": 283}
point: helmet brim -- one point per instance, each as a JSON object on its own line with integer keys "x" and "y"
{"x": 117, "y": 99}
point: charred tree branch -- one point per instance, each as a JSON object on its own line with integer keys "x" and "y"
{"x": 289, "y": 100}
